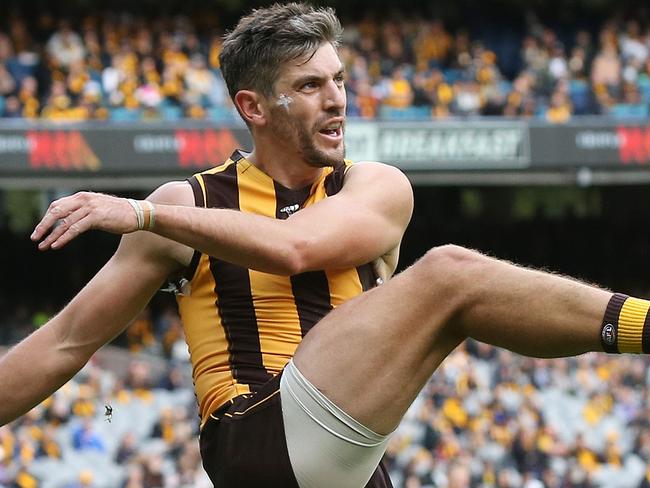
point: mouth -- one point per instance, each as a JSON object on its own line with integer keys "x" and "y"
{"x": 332, "y": 131}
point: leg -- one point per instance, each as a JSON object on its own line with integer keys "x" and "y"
{"x": 372, "y": 355}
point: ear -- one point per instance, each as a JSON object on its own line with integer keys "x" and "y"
{"x": 250, "y": 107}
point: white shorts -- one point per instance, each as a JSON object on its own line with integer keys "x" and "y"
{"x": 327, "y": 447}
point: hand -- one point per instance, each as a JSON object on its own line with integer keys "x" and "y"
{"x": 80, "y": 212}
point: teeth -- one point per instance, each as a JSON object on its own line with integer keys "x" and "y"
{"x": 333, "y": 127}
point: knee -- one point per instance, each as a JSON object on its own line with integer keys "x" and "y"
{"x": 451, "y": 258}
{"x": 453, "y": 270}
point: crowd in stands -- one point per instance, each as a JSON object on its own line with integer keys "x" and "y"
{"x": 129, "y": 427}
{"x": 125, "y": 67}
{"x": 492, "y": 419}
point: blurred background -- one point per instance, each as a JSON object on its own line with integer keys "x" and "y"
{"x": 523, "y": 127}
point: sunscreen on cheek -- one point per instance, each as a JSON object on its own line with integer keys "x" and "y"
{"x": 284, "y": 100}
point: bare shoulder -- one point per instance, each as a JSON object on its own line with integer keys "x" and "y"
{"x": 173, "y": 193}
{"x": 383, "y": 182}
{"x": 372, "y": 172}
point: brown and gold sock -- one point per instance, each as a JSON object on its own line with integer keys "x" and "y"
{"x": 626, "y": 325}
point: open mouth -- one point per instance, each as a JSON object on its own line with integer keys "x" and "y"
{"x": 335, "y": 133}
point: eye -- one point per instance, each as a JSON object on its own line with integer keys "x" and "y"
{"x": 339, "y": 79}
{"x": 309, "y": 86}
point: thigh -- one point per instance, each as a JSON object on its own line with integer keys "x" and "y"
{"x": 373, "y": 354}
{"x": 244, "y": 446}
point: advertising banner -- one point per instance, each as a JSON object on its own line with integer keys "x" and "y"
{"x": 436, "y": 146}
{"x": 468, "y": 145}
{"x": 605, "y": 144}
{"x": 133, "y": 150}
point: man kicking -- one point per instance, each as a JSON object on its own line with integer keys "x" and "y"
{"x": 302, "y": 365}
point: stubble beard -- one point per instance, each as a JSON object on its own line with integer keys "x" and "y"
{"x": 288, "y": 128}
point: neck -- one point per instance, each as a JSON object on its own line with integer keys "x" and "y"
{"x": 283, "y": 164}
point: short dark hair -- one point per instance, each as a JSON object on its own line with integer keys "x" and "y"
{"x": 254, "y": 52}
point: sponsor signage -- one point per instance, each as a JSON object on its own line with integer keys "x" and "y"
{"x": 137, "y": 150}
{"x": 141, "y": 149}
{"x": 431, "y": 146}
{"x": 596, "y": 145}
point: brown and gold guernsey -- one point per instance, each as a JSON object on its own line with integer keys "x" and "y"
{"x": 242, "y": 326}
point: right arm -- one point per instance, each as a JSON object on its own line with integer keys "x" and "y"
{"x": 49, "y": 357}
{"x": 376, "y": 201}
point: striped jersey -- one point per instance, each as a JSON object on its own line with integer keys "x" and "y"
{"x": 241, "y": 325}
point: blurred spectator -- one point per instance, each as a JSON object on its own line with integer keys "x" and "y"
{"x": 560, "y": 109}
{"x": 85, "y": 480}
{"x": 65, "y": 46}
{"x": 127, "y": 449}
{"x": 398, "y": 91}
{"x": 153, "y": 472}
{"x": 459, "y": 475}
{"x": 633, "y": 45}
{"x": 48, "y": 446}
{"x": 140, "y": 333}
{"x": 606, "y": 70}
{"x": 86, "y": 437}
{"x": 432, "y": 44}
{"x": 12, "y": 108}
{"x": 7, "y": 82}
{"x": 467, "y": 98}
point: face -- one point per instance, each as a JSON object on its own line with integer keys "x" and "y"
{"x": 307, "y": 110}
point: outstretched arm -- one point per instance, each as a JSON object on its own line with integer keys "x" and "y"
{"x": 364, "y": 221}
{"x": 49, "y": 357}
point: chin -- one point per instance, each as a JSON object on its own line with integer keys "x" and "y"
{"x": 319, "y": 159}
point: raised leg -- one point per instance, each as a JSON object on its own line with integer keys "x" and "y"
{"x": 372, "y": 355}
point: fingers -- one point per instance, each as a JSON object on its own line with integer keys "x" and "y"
{"x": 59, "y": 209}
{"x": 67, "y": 212}
{"x": 69, "y": 227}
{"x": 68, "y": 217}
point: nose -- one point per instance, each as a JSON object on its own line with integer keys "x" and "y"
{"x": 335, "y": 97}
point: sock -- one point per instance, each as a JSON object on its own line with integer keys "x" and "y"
{"x": 626, "y": 325}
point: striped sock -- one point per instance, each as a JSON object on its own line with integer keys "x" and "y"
{"x": 626, "y": 325}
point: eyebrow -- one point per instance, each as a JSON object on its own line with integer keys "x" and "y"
{"x": 307, "y": 78}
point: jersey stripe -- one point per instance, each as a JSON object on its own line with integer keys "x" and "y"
{"x": 233, "y": 290}
{"x": 198, "y": 189}
{"x": 367, "y": 276}
{"x": 312, "y": 295}
{"x": 277, "y": 322}
{"x": 334, "y": 181}
{"x": 310, "y": 290}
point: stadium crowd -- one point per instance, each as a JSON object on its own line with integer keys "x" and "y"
{"x": 126, "y": 67}
{"x": 110, "y": 428}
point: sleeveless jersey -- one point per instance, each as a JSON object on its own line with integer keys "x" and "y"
{"x": 241, "y": 325}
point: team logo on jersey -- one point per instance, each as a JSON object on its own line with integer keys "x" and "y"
{"x": 290, "y": 209}
{"x": 609, "y": 334}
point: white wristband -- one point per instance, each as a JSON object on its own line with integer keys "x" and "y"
{"x": 139, "y": 213}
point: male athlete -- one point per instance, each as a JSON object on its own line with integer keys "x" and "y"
{"x": 282, "y": 235}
